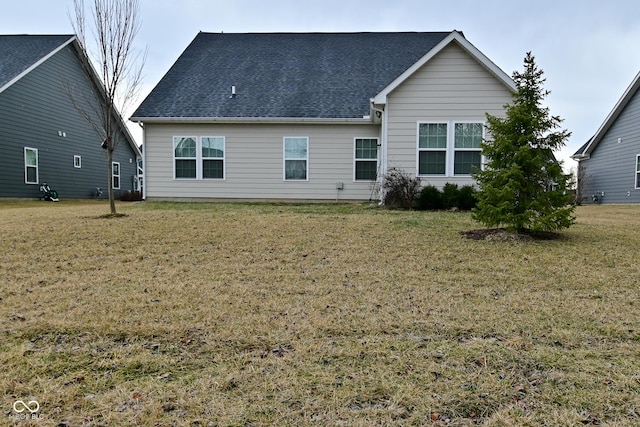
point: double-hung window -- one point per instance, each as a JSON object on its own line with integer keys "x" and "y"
{"x": 30, "y": 165}
{"x": 432, "y": 148}
{"x": 366, "y": 159}
{"x": 198, "y": 157}
{"x": 212, "y": 157}
{"x": 449, "y": 148}
{"x": 638, "y": 171}
{"x": 296, "y": 158}
{"x": 467, "y": 151}
{"x": 185, "y": 153}
{"x": 115, "y": 169}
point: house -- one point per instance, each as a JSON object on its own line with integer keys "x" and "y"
{"x": 43, "y": 136}
{"x": 609, "y": 163}
{"x": 317, "y": 116}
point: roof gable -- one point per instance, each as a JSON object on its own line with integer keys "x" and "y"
{"x": 284, "y": 75}
{"x": 453, "y": 37}
{"x": 586, "y": 150}
{"x": 19, "y": 54}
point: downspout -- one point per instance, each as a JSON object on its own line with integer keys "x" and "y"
{"x": 383, "y": 144}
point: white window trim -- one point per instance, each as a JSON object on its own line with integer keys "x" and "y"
{"x": 37, "y": 166}
{"x": 200, "y": 161}
{"x": 450, "y": 149}
{"x": 173, "y": 155}
{"x": 285, "y": 158}
{"x": 114, "y": 176}
{"x": 638, "y": 172}
{"x": 77, "y": 162}
{"x": 356, "y": 160}
{"x": 199, "y": 158}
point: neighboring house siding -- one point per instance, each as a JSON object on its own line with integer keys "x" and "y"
{"x": 612, "y": 166}
{"x": 451, "y": 86}
{"x": 32, "y": 112}
{"x": 254, "y": 162}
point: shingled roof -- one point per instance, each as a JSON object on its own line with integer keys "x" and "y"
{"x": 283, "y": 75}
{"x": 18, "y": 53}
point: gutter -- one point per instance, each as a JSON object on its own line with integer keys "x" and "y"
{"x": 247, "y": 120}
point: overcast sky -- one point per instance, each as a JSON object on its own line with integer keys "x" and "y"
{"x": 589, "y": 51}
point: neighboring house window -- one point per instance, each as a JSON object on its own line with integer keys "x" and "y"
{"x": 296, "y": 157}
{"x": 366, "y": 159}
{"x": 184, "y": 153}
{"x": 77, "y": 162}
{"x": 30, "y": 165}
{"x": 212, "y": 157}
{"x": 467, "y": 139}
{"x": 449, "y": 148}
{"x": 115, "y": 169}
{"x": 638, "y": 171}
{"x": 432, "y": 148}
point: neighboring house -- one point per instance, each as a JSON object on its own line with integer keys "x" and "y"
{"x": 609, "y": 163}
{"x": 317, "y": 116}
{"x": 43, "y": 136}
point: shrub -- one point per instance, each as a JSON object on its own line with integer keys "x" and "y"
{"x": 467, "y": 198}
{"x": 450, "y": 196}
{"x": 430, "y": 198}
{"x": 400, "y": 189}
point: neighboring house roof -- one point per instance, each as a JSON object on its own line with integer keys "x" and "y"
{"x": 292, "y": 75}
{"x": 20, "y": 54}
{"x": 585, "y": 151}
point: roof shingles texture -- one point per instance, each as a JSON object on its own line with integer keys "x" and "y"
{"x": 19, "y": 52}
{"x": 276, "y": 75}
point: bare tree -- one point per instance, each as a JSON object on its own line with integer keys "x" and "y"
{"x": 113, "y": 26}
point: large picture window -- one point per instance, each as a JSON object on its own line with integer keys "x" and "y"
{"x": 366, "y": 159}
{"x": 296, "y": 158}
{"x": 30, "y": 165}
{"x": 449, "y": 148}
{"x": 199, "y": 157}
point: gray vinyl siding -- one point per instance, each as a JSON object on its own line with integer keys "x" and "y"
{"x": 254, "y": 162}
{"x": 32, "y": 112}
{"x": 612, "y": 166}
{"x": 452, "y": 86}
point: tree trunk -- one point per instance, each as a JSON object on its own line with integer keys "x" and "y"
{"x": 112, "y": 200}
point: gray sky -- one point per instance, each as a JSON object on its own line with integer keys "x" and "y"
{"x": 589, "y": 51}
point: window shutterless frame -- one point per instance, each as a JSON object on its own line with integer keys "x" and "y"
{"x": 115, "y": 169}
{"x": 638, "y": 172}
{"x": 449, "y": 148}
{"x": 31, "y": 174}
{"x": 199, "y": 157}
{"x": 295, "y": 150}
{"x": 365, "y": 159}
{"x": 77, "y": 162}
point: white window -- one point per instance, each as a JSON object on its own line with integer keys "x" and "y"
{"x": 212, "y": 157}
{"x": 638, "y": 172}
{"x": 366, "y": 159}
{"x": 296, "y": 158}
{"x": 115, "y": 169}
{"x": 449, "y": 148}
{"x": 77, "y": 162}
{"x": 185, "y": 155}
{"x": 30, "y": 165}
{"x": 199, "y": 157}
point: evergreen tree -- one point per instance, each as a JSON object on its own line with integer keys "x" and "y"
{"x": 522, "y": 186}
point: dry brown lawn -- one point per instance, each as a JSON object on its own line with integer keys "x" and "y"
{"x": 259, "y": 314}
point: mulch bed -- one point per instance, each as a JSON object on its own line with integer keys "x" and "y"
{"x": 503, "y": 235}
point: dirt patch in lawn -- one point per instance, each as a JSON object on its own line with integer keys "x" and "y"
{"x": 503, "y": 235}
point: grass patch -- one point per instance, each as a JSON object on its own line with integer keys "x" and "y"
{"x": 267, "y": 314}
